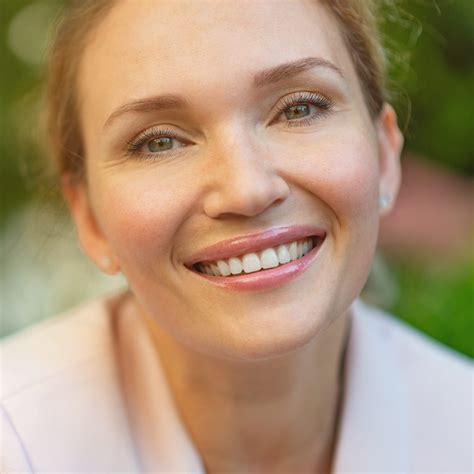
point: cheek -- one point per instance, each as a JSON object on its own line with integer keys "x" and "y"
{"x": 141, "y": 212}
{"x": 352, "y": 186}
{"x": 351, "y": 189}
{"x": 343, "y": 174}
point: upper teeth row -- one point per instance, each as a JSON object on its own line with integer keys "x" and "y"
{"x": 255, "y": 261}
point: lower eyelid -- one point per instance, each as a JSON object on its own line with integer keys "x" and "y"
{"x": 302, "y": 122}
{"x": 162, "y": 156}
{"x": 308, "y": 120}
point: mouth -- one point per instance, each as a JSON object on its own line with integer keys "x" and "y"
{"x": 259, "y": 261}
{"x": 253, "y": 262}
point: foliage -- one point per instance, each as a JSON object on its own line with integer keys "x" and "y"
{"x": 438, "y": 300}
{"x": 17, "y": 81}
{"x": 431, "y": 66}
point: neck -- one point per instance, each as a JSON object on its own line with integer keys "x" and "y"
{"x": 277, "y": 415}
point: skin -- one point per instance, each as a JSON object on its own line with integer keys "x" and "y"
{"x": 263, "y": 365}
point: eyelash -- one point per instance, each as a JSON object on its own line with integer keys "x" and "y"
{"x": 133, "y": 147}
{"x": 301, "y": 98}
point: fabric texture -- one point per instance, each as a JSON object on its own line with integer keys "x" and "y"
{"x": 407, "y": 404}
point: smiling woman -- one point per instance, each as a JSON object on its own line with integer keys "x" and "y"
{"x": 233, "y": 164}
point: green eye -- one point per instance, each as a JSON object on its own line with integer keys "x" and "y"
{"x": 297, "y": 111}
{"x": 160, "y": 144}
{"x": 302, "y": 109}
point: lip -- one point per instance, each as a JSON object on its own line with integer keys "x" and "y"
{"x": 263, "y": 279}
{"x": 254, "y": 243}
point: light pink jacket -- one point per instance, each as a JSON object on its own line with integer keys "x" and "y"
{"x": 407, "y": 406}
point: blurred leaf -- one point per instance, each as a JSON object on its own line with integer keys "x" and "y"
{"x": 438, "y": 301}
{"x": 437, "y": 37}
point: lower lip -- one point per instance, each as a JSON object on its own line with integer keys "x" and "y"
{"x": 264, "y": 279}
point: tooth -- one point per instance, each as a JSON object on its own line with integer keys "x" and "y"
{"x": 305, "y": 247}
{"x": 269, "y": 258}
{"x": 283, "y": 254}
{"x": 235, "y": 266}
{"x": 215, "y": 270}
{"x": 223, "y": 268}
{"x": 251, "y": 263}
{"x": 293, "y": 251}
{"x": 300, "y": 249}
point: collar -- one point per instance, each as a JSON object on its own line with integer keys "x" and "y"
{"x": 374, "y": 429}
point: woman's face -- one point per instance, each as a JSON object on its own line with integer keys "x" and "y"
{"x": 194, "y": 135}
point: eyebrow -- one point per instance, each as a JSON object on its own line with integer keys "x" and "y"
{"x": 285, "y": 70}
{"x": 149, "y": 104}
{"x": 263, "y": 78}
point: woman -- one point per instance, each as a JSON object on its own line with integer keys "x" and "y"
{"x": 232, "y": 160}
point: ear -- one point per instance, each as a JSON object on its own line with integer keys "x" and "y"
{"x": 390, "y": 140}
{"x": 92, "y": 239}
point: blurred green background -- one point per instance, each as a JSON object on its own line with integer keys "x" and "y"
{"x": 432, "y": 76}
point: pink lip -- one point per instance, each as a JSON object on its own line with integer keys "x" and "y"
{"x": 263, "y": 279}
{"x": 254, "y": 243}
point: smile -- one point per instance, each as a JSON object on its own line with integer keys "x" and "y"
{"x": 257, "y": 261}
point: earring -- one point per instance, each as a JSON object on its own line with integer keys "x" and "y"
{"x": 384, "y": 201}
{"x": 106, "y": 263}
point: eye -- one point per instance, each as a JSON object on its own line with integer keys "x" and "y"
{"x": 160, "y": 144}
{"x": 303, "y": 108}
{"x": 154, "y": 142}
{"x": 297, "y": 111}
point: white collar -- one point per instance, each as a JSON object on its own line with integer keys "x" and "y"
{"x": 374, "y": 433}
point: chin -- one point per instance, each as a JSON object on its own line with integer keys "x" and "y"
{"x": 270, "y": 338}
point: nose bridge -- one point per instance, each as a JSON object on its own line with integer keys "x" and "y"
{"x": 243, "y": 178}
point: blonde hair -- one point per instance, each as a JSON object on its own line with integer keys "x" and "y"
{"x": 357, "y": 20}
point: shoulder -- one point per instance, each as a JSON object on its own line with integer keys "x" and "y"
{"x": 433, "y": 386}
{"x": 54, "y": 347}
{"x": 60, "y": 378}
{"x": 416, "y": 351}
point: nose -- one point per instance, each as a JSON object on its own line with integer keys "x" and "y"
{"x": 243, "y": 181}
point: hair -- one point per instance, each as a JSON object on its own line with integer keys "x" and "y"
{"x": 358, "y": 25}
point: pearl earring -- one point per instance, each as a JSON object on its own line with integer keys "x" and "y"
{"x": 106, "y": 262}
{"x": 384, "y": 201}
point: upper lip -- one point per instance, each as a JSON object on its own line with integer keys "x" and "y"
{"x": 254, "y": 243}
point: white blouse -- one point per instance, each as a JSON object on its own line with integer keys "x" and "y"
{"x": 407, "y": 403}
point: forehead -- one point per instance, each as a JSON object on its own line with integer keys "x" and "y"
{"x": 143, "y": 47}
